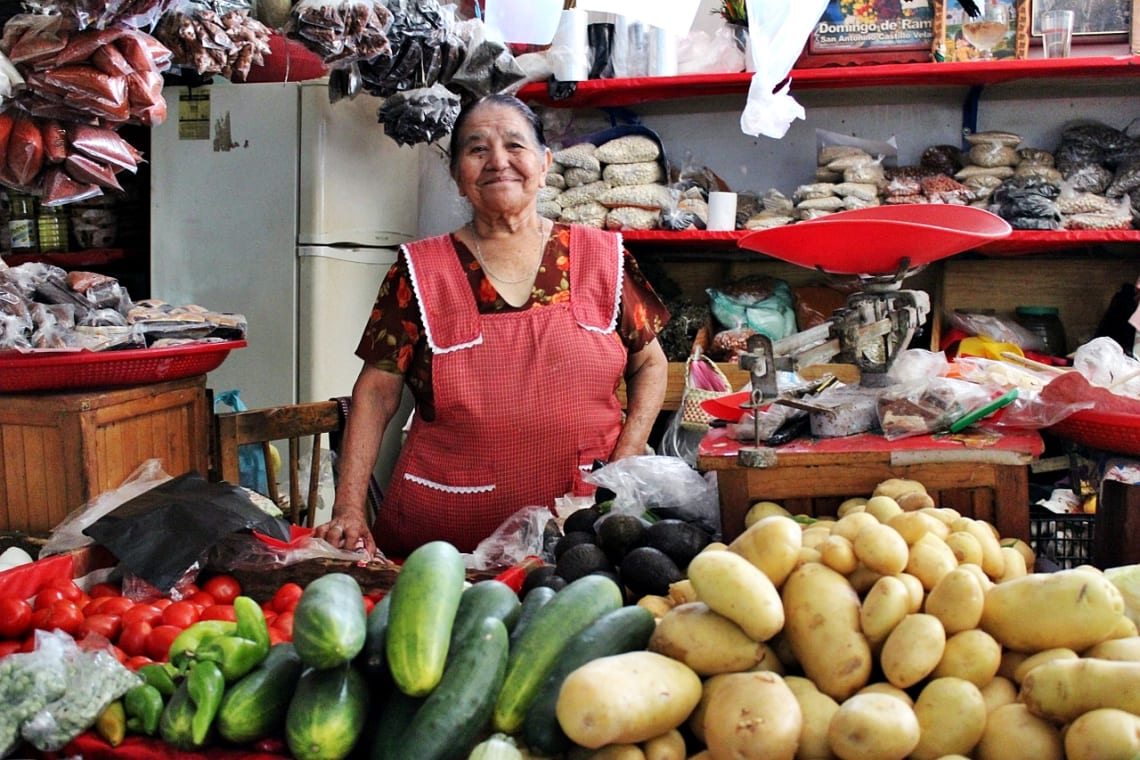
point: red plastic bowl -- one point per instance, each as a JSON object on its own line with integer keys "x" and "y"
{"x": 876, "y": 240}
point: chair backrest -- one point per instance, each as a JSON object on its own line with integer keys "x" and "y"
{"x": 294, "y": 423}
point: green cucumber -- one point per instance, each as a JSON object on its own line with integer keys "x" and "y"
{"x": 456, "y": 714}
{"x": 329, "y": 621}
{"x": 578, "y": 604}
{"x": 373, "y": 660}
{"x": 392, "y": 715}
{"x": 327, "y": 714}
{"x": 626, "y": 629}
{"x": 531, "y": 603}
{"x": 425, "y": 598}
{"x": 255, "y": 706}
{"x": 489, "y": 598}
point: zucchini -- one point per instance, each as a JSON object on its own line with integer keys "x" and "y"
{"x": 573, "y": 608}
{"x": 626, "y": 629}
{"x": 456, "y": 714}
{"x": 531, "y": 603}
{"x": 425, "y": 597}
{"x": 329, "y": 621}
{"x": 373, "y": 660}
{"x": 489, "y": 598}
{"x": 255, "y": 706}
{"x": 327, "y": 714}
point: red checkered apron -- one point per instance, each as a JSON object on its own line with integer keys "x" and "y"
{"x": 525, "y": 400}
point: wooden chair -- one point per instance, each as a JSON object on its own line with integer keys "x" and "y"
{"x": 294, "y": 423}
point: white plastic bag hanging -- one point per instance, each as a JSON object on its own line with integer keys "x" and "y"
{"x": 777, "y": 32}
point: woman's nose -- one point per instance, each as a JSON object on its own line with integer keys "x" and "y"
{"x": 496, "y": 157}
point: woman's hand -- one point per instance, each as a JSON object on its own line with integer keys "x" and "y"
{"x": 348, "y": 530}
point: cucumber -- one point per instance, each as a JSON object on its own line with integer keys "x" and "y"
{"x": 255, "y": 706}
{"x": 425, "y": 598}
{"x": 373, "y": 660}
{"x": 573, "y": 608}
{"x": 391, "y": 717}
{"x": 626, "y": 629}
{"x": 456, "y": 714}
{"x": 329, "y": 621}
{"x": 489, "y": 598}
{"x": 531, "y": 603}
{"x": 327, "y": 714}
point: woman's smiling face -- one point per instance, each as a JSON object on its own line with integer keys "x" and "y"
{"x": 501, "y": 164}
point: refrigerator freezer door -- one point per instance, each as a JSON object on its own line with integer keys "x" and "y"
{"x": 358, "y": 186}
{"x": 223, "y": 230}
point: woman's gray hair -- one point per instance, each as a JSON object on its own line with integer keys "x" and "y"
{"x": 500, "y": 99}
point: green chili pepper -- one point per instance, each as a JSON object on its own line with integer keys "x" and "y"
{"x": 251, "y": 622}
{"x": 160, "y": 675}
{"x": 144, "y": 706}
{"x": 184, "y": 648}
{"x": 233, "y": 655}
{"x": 206, "y": 685}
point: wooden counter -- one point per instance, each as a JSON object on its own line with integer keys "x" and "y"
{"x": 59, "y": 450}
{"x": 980, "y": 476}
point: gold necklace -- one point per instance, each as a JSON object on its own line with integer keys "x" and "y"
{"x": 478, "y": 252}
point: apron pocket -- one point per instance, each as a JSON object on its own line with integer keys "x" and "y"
{"x": 458, "y": 482}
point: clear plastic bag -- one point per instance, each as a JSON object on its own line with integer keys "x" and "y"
{"x": 519, "y": 536}
{"x": 668, "y": 486}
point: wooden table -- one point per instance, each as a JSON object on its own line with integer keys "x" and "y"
{"x": 980, "y": 475}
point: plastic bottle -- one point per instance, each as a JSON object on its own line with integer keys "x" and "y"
{"x": 52, "y": 225}
{"x": 22, "y": 224}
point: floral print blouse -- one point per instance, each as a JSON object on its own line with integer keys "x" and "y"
{"x": 394, "y": 338}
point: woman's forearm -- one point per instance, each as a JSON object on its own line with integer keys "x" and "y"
{"x": 645, "y": 381}
{"x": 375, "y": 399}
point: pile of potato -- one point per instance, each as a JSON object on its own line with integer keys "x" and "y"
{"x": 895, "y": 630}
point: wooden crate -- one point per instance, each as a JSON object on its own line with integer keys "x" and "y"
{"x": 61, "y": 450}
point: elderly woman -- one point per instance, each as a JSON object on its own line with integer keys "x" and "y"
{"x": 512, "y": 333}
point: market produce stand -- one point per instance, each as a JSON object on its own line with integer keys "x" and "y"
{"x": 981, "y": 475}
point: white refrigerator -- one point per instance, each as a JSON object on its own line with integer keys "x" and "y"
{"x": 267, "y": 200}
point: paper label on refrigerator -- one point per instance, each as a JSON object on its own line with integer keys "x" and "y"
{"x": 194, "y": 113}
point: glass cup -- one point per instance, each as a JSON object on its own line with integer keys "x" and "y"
{"x": 1056, "y": 33}
{"x": 987, "y": 30}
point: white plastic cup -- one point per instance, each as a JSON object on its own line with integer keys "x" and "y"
{"x": 1056, "y": 33}
{"x": 570, "y": 48}
{"x": 722, "y": 211}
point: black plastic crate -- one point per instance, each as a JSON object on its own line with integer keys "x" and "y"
{"x": 1065, "y": 539}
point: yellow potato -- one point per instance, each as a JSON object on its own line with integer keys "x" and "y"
{"x": 912, "y": 650}
{"x": 770, "y": 661}
{"x": 715, "y": 546}
{"x": 1103, "y": 734}
{"x": 1013, "y": 733}
{"x": 967, "y": 549}
{"x": 951, "y": 716}
{"x": 1000, "y": 691}
{"x": 914, "y": 525}
{"x": 930, "y": 559}
{"x": 1010, "y": 661}
{"x": 609, "y": 752}
{"x": 668, "y": 746}
{"x": 882, "y": 549}
{"x": 912, "y": 501}
{"x": 837, "y": 553}
{"x": 1124, "y": 628}
{"x": 1040, "y": 658}
{"x": 972, "y": 655}
{"x": 862, "y": 578}
{"x": 815, "y": 536}
{"x": 1068, "y": 608}
{"x": 1024, "y": 549}
{"x": 808, "y": 555}
{"x": 943, "y": 520}
{"x": 1061, "y": 690}
{"x": 882, "y": 687}
{"x": 735, "y": 588}
{"x": 983, "y": 580}
{"x": 1126, "y": 649}
{"x": 821, "y": 612}
{"x": 884, "y": 607}
{"x": 882, "y": 507}
{"x": 752, "y": 716}
{"x": 682, "y": 591}
{"x": 772, "y": 544}
{"x": 1014, "y": 565}
{"x": 762, "y": 509}
{"x": 896, "y": 487}
{"x": 849, "y": 525}
{"x": 696, "y": 719}
{"x": 658, "y": 605}
{"x": 993, "y": 561}
{"x": 875, "y": 726}
{"x": 854, "y": 504}
{"x": 704, "y": 640}
{"x": 917, "y": 592}
{"x": 957, "y": 601}
{"x": 817, "y": 710}
{"x": 626, "y": 698}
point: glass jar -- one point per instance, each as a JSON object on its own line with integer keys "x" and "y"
{"x": 22, "y": 223}
{"x": 52, "y": 229}
{"x": 1045, "y": 322}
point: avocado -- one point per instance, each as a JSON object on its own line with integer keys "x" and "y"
{"x": 581, "y": 520}
{"x": 581, "y": 560}
{"x": 646, "y": 570}
{"x": 571, "y": 539}
{"x": 618, "y": 533}
{"x": 554, "y": 581}
{"x": 679, "y": 539}
{"x": 535, "y": 578}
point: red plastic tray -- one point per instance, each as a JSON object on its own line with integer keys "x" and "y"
{"x": 1102, "y": 430}
{"x": 109, "y": 369}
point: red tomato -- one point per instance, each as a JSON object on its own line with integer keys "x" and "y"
{"x": 142, "y": 613}
{"x": 116, "y": 605}
{"x": 103, "y": 624}
{"x": 163, "y": 602}
{"x": 284, "y": 621}
{"x": 69, "y": 590}
{"x": 95, "y": 604}
{"x": 159, "y": 641}
{"x": 41, "y": 619}
{"x": 182, "y": 614}
{"x": 218, "y": 612}
{"x": 286, "y": 597}
{"x": 66, "y": 616}
{"x": 133, "y": 638}
{"x": 137, "y": 661}
{"x": 276, "y": 635}
{"x": 369, "y": 603}
{"x": 224, "y": 588}
{"x": 202, "y": 600}
{"x": 9, "y": 647}
{"x": 104, "y": 589}
{"x": 119, "y": 654}
{"x": 15, "y": 617}
{"x": 47, "y": 596}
